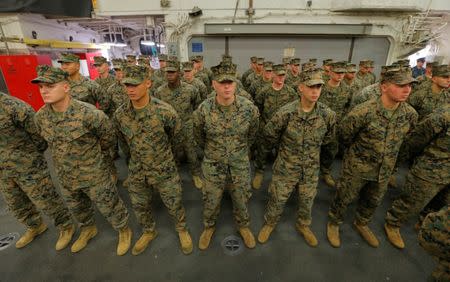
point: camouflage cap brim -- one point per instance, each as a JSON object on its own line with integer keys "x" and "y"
{"x": 170, "y": 69}
{"x": 132, "y": 80}
{"x": 225, "y": 77}
{"x": 313, "y": 82}
{"x": 280, "y": 72}
{"x": 42, "y": 79}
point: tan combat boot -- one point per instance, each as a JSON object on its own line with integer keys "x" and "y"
{"x": 333, "y": 235}
{"x": 198, "y": 183}
{"x": 329, "y": 180}
{"x": 247, "y": 235}
{"x": 394, "y": 236}
{"x": 124, "y": 244}
{"x": 309, "y": 236}
{"x": 65, "y": 236}
{"x": 86, "y": 234}
{"x": 205, "y": 238}
{"x": 143, "y": 242}
{"x": 186, "y": 242}
{"x": 257, "y": 180}
{"x": 264, "y": 233}
{"x": 367, "y": 234}
{"x": 29, "y": 235}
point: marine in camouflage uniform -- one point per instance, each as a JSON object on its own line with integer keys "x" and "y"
{"x": 117, "y": 91}
{"x": 326, "y": 66}
{"x": 428, "y": 176}
{"x": 82, "y": 88}
{"x": 225, "y": 128}
{"x": 335, "y": 95}
{"x": 363, "y": 76}
{"x": 292, "y": 75}
{"x": 426, "y": 99}
{"x": 159, "y": 76}
{"x": 434, "y": 238}
{"x": 25, "y": 179}
{"x": 131, "y": 59}
{"x": 188, "y": 77}
{"x": 104, "y": 79}
{"x": 151, "y": 128}
{"x": 350, "y": 82}
{"x": 370, "y": 69}
{"x": 202, "y": 73}
{"x": 302, "y": 128}
{"x": 82, "y": 141}
{"x": 269, "y": 100}
{"x": 252, "y": 69}
{"x": 184, "y": 98}
{"x": 264, "y": 80}
{"x": 373, "y": 135}
{"x": 254, "y": 75}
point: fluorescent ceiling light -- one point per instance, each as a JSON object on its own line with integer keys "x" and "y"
{"x": 148, "y": 43}
{"x": 109, "y": 44}
{"x": 161, "y": 45}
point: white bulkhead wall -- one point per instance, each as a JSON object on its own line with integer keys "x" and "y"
{"x": 386, "y": 16}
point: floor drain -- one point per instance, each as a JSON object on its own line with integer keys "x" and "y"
{"x": 232, "y": 245}
{"x": 7, "y": 240}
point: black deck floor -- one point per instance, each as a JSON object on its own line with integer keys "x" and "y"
{"x": 286, "y": 257}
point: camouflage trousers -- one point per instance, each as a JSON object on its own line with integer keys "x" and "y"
{"x": 218, "y": 178}
{"x": 416, "y": 194}
{"x": 261, "y": 152}
{"x": 141, "y": 190}
{"x": 327, "y": 157}
{"x": 280, "y": 189}
{"x": 27, "y": 193}
{"x": 350, "y": 188}
{"x": 189, "y": 149}
{"x": 81, "y": 198}
{"x": 434, "y": 237}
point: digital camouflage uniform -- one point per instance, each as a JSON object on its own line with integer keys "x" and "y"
{"x": 424, "y": 101}
{"x": 430, "y": 173}
{"x": 159, "y": 76}
{"x": 301, "y": 136}
{"x": 205, "y": 74}
{"x": 372, "y": 136}
{"x": 25, "y": 179}
{"x": 291, "y": 78}
{"x": 151, "y": 133}
{"x": 226, "y": 134}
{"x": 184, "y": 99}
{"x": 434, "y": 238}
{"x": 244, "y": 76}
{"x": 370, "y": 92}
{"x": 338, "y": 100}
{"x": 107, "y": 81}
{"x": 82, "y": 141}
{"x": 365, "y": 79}
{"x": 197, "y": 83}
{"x": 253, "y": 75}
{"x": 261, "y": 82}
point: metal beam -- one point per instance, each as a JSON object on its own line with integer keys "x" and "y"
{"x": 297, "y": 29}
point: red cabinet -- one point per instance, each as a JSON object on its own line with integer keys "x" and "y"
{"x": 18, "y": 71}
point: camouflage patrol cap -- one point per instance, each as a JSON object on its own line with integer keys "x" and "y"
{"x": 313, "y": 60}
{"x": 227, "y": 58}
{"x": 48, "y": 74}
{"x": 187, "y": 66}
{"x": 295, "y": 61}
{"x": 224, "y": 72}
{"x": 441, "y": 70}
{"x": 143, "y": 61}
{"x": 286, "y": 60}
{"x": 162, "y": 57}
{"x": 130, "y": 57}
{"x": 117, "y": 64}
{"x": 99, "y": 60}
{"x": 364, "y": 63}
{"x": 307, "y": 66}
{"x": 371, "y": 63}
{"x": 197, "y": 58}
{"x": 68, "y": 58}
{"x": 172, "y": 66}
{"x": 260, "y": 61}
{"x": 253, "y": 59}
{"x": 399, "y": 76}
{"x": 279, "y": 69}
{"x": 311, "y": 77}
{"x": 268, "y": 66}
{"x": 403, "y": 63}
{"x": 339, "y": 67}
{"x": 134, "y": 74}
{"x": 431, "y": 64}
{"x": 327, "y": 62}
{"x": 351, "y": 68}
{"x": 173, "y": 58}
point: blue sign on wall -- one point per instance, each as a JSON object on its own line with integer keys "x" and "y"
{"x": 197, "y": 47}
